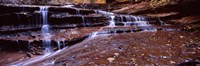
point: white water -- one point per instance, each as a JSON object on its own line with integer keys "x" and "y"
{"x": 44, "y": 14}
{"x": 112, "y": 21}
{"x": 69, "y": 6}
{"x": 103, "y": 12}
{"x": 59, "y": 45}
{"x": 83, "y": 18}
{"x": 78, "y": 12}
{"x": 122, "y": 19}
{"x": 111, "y": 16}
{"x": 130, "y": 20}
{"x": 83, "y": 21}
{"x": 161, "y": 22}
{"x": 135, "y": 20}
{"x": 94, "y": 34}
{"x": 45, "y": 30}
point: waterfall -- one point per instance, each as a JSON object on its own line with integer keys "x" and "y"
{"x": 134, "y": 20}
{"x": 45, "y": 30}
{"x": 112, "y": 21}
{"x": 82, "y": 17}
{"x": 78, "y": 12}
{"x": 128, "y": 18}
{"x": 59, "y": 45}
{"x": 142, "y": 21}
{"x": 161, "y": 22}
{"x": 83, "y": 21}
{"x": 122, "y": 20}
{"x": 44, "y": 14}
{"x": 111, "y": 16}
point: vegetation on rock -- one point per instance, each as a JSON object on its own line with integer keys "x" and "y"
{"x": 157, "y": 3}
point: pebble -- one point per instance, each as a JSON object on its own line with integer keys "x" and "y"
{"x": 85, "y": 46}
{"x": 116, "y": 54}
{"x": 110, "y": 59}
{"x": 164, "y": 56}
{"x": 91, "y": 62}
{"x": 142, "y": 55}
{"x": 172, "y": 62}
{"x": 181, "y": 37}
{"x": 168, "y": 44}
{"x": 133, "y": 60}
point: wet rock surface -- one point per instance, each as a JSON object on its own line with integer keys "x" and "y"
{"x": 8, "y": 57}
{"x": 116, "y": 46}
{"x": 140, "y": 48}
{"x": 24, "y": 46}
{"x": 58, "y": 35}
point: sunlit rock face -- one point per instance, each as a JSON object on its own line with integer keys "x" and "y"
{"x": 51, "y": 1}
{"x": 121, "y": 0}
{"x": 63, "y": 1}
{"x": 78, "y": 1}
{"x": 60, "y": 1}
{"x": 21, "y": 1}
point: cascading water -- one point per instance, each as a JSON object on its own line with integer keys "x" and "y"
{"x": 78, "y": 12}
{"x": 142, "y": 21}
{"x": 103, "y": 12}
{"x": 59, "y": 45}
{"x": 83, "y": 21}
{"x": 110, "y": 14}
{"x": 122, "y": 19}
{"x": 161, "y": 22}
{"x": 46, "y": 36}
{"x": 94, "y": 34}
{"x": 135, "y": 20}
{"x": 45, "y": 30}
{"x": 69, "y": 6}
{"x": 127, "y": 20}
{"x": 83, "y": 18}
{"x": 112, "y": 21}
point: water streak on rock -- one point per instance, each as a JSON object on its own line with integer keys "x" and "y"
{"x": 45, "y": 30}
